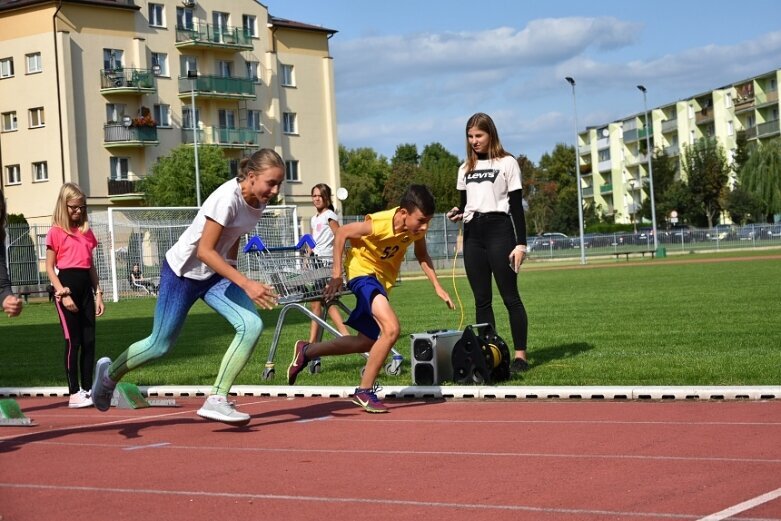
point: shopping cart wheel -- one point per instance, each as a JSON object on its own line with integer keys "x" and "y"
{"x": 393, "y": 368}
{"x": 314, "y": 366}
{"x": 268, "y": 373}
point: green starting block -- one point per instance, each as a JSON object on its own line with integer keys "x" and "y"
{"x": 128, "y": 396}
{"x": 11, "y": 414}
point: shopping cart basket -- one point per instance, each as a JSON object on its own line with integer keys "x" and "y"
{"x": 299, "y": 277}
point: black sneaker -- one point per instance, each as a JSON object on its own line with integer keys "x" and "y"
{"x": 519, "y": 365}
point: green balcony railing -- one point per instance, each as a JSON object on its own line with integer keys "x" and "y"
{"x": 208, "y": 35}
{"x": 218, "y": 86}
{"x": 118, "y": 134}
{"x": 126, "y": 79}
{"x": 606, "y": 188}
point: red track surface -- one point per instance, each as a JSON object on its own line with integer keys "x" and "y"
{"x": 315, "y": 459}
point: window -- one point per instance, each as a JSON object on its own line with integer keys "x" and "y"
{"x": 604, "y": 155}
{"x": 13, "y": 175}
{"x": 41, "y": 245}
{"x": 115, "y": 112}
{"x": 248, "y": 21}
{"x": 156, "y": 12}
{"x": 728, "y": 100}
{"x": 112, "y": 59}
{"x": 9, "y": 121}
{"x": 289, "y": 122}
{"x": 730, "y": 128}
{"x": 224, "y": 69}
{"x": 691, "y": 111}
{"x": 34, "y": 63}
{"x": 36, "y": 117}
{"x": 253, "y": 71}
{"x": 233, "y": 167}
{"x": 184, "y": 18}
{"x": 291, "y": 171}
{"x": 187, "y": 117}
{"x": 288, "y": 80}
{"x": 119, "y": 168}
{"x": 188, "y": 63}
{"x": 6, "y": 67}
{"x": 162, "y": 114}
{"x": 220, "y": 22}
{"x": 773, "y": 85}
{"x": 160, "y": 60}
{"x": 227, "y": 118}
{"x": 40, "y": 171}
{"x": 254, "y": 121}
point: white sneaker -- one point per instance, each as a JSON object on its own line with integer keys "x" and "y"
{"x": 80, "y": 399}
{"x": 218, "y": 408}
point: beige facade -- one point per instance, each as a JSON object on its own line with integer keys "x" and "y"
{"x": 614, "y": 157}
{"x": 95, "y": 91}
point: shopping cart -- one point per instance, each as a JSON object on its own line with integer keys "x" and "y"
{"x": 299, "y": 277}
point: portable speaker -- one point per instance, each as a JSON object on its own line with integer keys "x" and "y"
{"x": 480, "y": 356}
{"x": 431, "y": 356}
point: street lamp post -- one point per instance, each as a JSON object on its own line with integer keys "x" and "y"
{"x": 193, "y": 75}
{"x": 571, "y": 81}
{"x": 633, "y": 207}
{"x": 650, "y": 165}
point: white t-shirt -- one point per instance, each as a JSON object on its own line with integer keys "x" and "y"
{"x": 227, "y": 207}
{"x": 488, "y": 185}
{"x": 322, "y": 233}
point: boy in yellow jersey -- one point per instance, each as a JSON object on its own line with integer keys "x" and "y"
{"x": 378, "y": 245}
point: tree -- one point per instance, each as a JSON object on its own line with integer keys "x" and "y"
{"x": 743, "y": 206}
{"x": 557, "y": 208}
{"x": 364, "y": 175}
{"x": 707, "y": 171}
{"x": 406, "y": 153}
{"x": 172, "y": 182}
{"x": 664, "y": 169}
{"x": 439, "y": 170}
{"x": 761, "y": 175}
{"x": 401, "y": 176}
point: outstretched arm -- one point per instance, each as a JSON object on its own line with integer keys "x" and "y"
{"x": 421, "y": 253}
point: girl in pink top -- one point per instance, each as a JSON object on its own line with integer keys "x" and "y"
{"x": 79, "y": 299}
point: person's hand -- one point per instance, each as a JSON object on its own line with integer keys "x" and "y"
{"x": 12, "y": 305}
{"x": 455, "y": 214}
{"x": 332, "y": 288}
{"x": 69, "y": 304}
{"x": 261, "y": 294}
{"x": 446, "y": 297}
{"x": 517, "y": 256}
{"x": 100, "y": 307}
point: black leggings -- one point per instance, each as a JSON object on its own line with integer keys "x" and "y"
{"x": 78, "y": 329}
{"x": 488, "y": 241}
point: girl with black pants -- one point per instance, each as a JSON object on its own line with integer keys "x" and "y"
{"x": 489, "y": 182}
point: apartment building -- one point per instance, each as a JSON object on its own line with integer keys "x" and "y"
{"x": 95, "y": 91}
{"x": 614, "y": 156}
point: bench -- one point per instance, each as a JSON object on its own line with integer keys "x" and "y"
{"x": 626, "y": 254}
{"x": 26, "y": 291}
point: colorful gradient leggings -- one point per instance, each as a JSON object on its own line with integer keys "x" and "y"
{"x": 175, "y": 298}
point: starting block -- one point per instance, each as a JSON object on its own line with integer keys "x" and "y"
{"x": 128, "y": 396}
{"x": 11, "y": 415}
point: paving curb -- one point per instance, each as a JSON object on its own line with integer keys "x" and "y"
{"x": 767, "y": 392}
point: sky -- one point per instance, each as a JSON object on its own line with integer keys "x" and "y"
{"x": 413, "y": 71}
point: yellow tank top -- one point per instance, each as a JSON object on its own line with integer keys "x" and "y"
{"x": 380, "y": 253}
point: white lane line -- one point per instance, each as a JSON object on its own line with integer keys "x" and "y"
{"x": 365, "y": 501}
{"x": 396, "y": 452}
{"x": 556, "y": 422}
{"x": 742, "y": 507}
{"x": 149, "y": 446}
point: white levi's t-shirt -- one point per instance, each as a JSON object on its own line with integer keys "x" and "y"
{"x": 488, "y": 185}
{"x": 322, "y": 233}
{"x": 225, "y": 206}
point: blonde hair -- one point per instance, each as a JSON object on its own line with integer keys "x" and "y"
{"x": 261, "y": 160}
{"x": 61, "y": 217}
{"x": 483, "y": 122}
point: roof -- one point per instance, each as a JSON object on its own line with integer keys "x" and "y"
{"x": 7, "y": 5}
{"x": 292, "y": 24}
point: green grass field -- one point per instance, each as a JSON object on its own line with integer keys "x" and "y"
{"x": 714, "y": 321}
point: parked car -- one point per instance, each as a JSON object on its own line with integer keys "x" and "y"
{"x": 681, "y": 233}
{"x": 755, "y": 232}
{"x": 722, "y": 232}
{"x": 548, "y": 241}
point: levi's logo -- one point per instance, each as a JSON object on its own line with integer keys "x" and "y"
{"x": 478, "y": 176}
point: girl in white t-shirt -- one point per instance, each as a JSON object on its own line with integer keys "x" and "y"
{"x": 323, "y": 226}
{"x": 202, "y": 265}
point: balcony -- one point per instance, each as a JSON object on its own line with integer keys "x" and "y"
{"x": 122, "y": 187}
{"x": 606, "y": 188}
{"x": 217, "y": 87}
{"x": 127, "y": 81}
{"x": 208, "y": 36}
{"x": 671, "y": 151}
{"x": 631, "y": 136}
{"x": 223, "y": 137}
{"x": 117, "y": 135}
{"x": 770, "y": 128}
{"x": 669, "y": 125}
{"x": 605, "y": 166}
{"x": 588, "y": 191}
{"x": 703, "y": 116}
{"x": 585, "y": 169}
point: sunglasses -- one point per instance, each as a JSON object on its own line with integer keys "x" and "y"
{"x": 83, "y": 207}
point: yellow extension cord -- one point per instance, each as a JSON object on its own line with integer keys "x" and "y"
{"x": 453, "y": 276}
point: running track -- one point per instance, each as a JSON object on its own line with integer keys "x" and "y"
{"x": 320, "y": 459}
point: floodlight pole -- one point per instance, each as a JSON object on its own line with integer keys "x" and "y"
{"x": 650, "y": 165}
{"x": 571, "y": 81}
{"x": 193, "y": 75}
